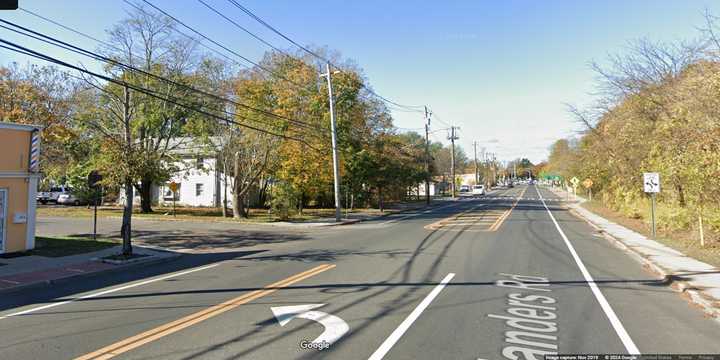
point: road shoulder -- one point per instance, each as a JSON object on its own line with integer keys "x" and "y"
{"x": 696, "y": 279}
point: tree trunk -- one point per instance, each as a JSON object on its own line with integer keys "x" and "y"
{"x": 125, "y": 229}
{"x": 301, "y": 199}
{"x": 225, "y": 186}
{"x": 146, "y": 196}
{"x": 681, "y": 195}
{"x": 237, "y": 204}
{"x": 380, "y": 199}
{"x": 262, "y": 193}
{"x": 239, "y": 209}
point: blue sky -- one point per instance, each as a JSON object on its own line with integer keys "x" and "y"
{"x": 500, "y": 70}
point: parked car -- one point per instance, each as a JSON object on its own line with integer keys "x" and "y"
{"x": 478, "y": 190}
{"x": 464, "y": 188}
{"x": 70, "y": 199}
{"x": 52, "y": 195}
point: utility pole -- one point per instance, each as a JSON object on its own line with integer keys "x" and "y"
{"x": 336, "y": 165}
{"x": 126, "y": 230}
{"x": 477, "y": 175}
{"x": 427, "y": 157}
{"x": 452, "y": 139}
{"x": 483, "y": 156}
{"x": 494, "y": 162}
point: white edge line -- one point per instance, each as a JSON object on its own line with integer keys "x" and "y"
{"x": 88, "y": 296}
{"x": 609, "y": 312}
{"x": 405, "y": 325}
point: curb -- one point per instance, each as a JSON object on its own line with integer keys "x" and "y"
{"x": 66, "y": 279}
{"x": 230, "y": 221}
{"x": 345, "y": 222}
{"x": 374, "y": 217}
{"x": 695, "y": 296}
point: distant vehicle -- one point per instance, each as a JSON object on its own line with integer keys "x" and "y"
{"x": 478, "y": 190}
{"x": 510, "y": 184}
{"x": 464, "y": 188}
{"x": 70, "y": 199}
{"x": 52, "y": 195}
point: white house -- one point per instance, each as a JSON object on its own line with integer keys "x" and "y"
{"x": 420, "y": 189}
{"x": 199, "y": 176}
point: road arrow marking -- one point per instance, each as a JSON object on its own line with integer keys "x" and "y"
{"x": 335, "y": 327}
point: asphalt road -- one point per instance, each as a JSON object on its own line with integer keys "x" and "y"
{"x": 507, "y": 275}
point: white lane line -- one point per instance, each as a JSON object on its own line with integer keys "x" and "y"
{"x": 405, "y": 325}
{"x": 88, "y": 296}
{"x": 609, "y": 312}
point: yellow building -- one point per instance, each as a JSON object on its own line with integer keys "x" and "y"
{"x": 19, "y": 175}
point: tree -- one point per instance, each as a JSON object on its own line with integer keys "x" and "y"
{"x": 44, "y": 96}
{"x": 148, "y": 41}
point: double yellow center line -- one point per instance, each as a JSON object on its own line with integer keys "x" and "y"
{"x": 505, "y": 215}
{"x": 192, "y": 319}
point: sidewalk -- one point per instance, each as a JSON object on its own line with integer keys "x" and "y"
{"x": 30, "y": 271}
{"x": 700, "y": 281}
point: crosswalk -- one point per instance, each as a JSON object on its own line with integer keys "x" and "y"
{"x": 495, "y": 197}
{"x": 474, "y": 220}
{"x": 488, "y": 216}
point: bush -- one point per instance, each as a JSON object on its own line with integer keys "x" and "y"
{"x": 283, "y": 200}
{"x": 674, "y": 218}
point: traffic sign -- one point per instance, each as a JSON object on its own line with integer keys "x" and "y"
{"x": 587, "y": 183}
{"x": 93, "y": 179}
{"x": 575, "y": 181}
{"x": 651, "y": 182}
{"x": 173, "y": 187}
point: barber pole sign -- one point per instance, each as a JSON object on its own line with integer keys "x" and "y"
{"x": 34, "y": 165}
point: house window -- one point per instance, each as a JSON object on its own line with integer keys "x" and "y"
{"x": 199, "y": 189}
{"x": 200, "y": 162}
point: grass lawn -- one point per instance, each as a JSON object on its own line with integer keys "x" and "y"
{"x": 191, "y": 213}
{"x": 64, "y": 246}
{"x": 685, "y": 240}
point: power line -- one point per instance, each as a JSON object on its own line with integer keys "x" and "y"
{"x": 271, "y": 28}
{"x": 278, "y": 32}
{"x": 70, "y": 29}
{"x": 243, "y": 28}
{"x": 220, "y": 45}
{"x": 436, "y": 117}
{"x": 402, "y": 108}
{"x": 23, "y": 50}
{"x": 225, "y": 56}
{"x": 87, "y": 53}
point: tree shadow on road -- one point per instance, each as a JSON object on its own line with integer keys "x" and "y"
{"x": 65, "y": 289}
{"x": 208, "y": 240}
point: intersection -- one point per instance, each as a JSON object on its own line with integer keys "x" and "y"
{"x": 509, "y": 275}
